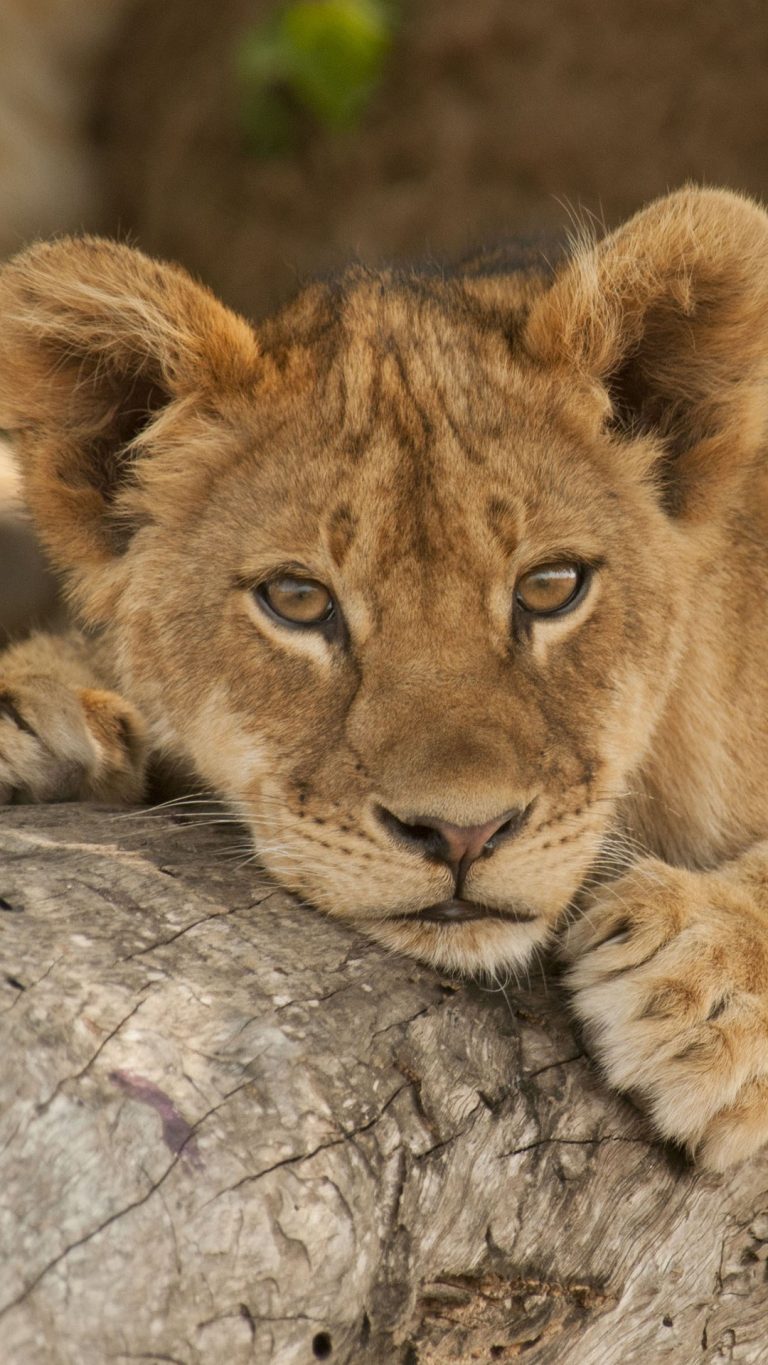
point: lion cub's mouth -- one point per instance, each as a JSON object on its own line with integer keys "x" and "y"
{"x": 456, "y": 911}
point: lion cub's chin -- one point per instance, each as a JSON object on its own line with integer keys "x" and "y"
{"x": 482, "y": 947}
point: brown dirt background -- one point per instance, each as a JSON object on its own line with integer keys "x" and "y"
{"x": 495, "y": 116}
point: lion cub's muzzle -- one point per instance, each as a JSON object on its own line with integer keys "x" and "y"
{"x": 458, "y": 847}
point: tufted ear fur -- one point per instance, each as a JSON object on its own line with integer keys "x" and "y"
{"x": 98, "y": 344}
{"x": 669, "y": 314}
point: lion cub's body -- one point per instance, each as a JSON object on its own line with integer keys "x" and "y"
{"x": 418, "y": 444}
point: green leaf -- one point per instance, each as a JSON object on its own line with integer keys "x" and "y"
{"x": 337, "y": 50}
{"x": 325, "y": 56}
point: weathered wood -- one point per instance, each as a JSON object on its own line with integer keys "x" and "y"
{"x": 232, "y": 1131}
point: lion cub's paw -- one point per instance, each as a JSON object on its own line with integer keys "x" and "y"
{"x": 669, "y": 970}
{"x": 59, "y": 743}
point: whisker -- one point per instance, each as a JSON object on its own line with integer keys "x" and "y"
{"x": 197, "y": 798}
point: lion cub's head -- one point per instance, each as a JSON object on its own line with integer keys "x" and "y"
{"x": 406, "y": 573}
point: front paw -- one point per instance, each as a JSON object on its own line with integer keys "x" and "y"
{"x": 669, "y": 971}
{"x": 59, "y": 743}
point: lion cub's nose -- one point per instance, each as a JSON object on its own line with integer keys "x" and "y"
{"x": 456, "y": 845}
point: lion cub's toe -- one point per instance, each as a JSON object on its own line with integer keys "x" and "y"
{"x": 669, "y": 970}
{"x": 58, "y": 743}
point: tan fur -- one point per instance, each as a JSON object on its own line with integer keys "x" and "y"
{"x": 417, "y": 443}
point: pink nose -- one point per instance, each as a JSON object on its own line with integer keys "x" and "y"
{"x": 458, "y": 846}
{"x": 464, "y": 842}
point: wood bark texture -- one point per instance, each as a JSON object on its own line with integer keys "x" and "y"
{"x": 234, "y": 1131}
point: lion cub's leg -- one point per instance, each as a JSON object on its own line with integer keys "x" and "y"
{"x": 63, "y": 735}
{"x": 670, "y": 978}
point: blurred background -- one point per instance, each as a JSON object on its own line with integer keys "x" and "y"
{"x": 261, "y": 141}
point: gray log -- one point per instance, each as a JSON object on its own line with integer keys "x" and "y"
{"x": 233, "y": 1131}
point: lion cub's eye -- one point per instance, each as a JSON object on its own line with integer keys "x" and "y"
{"x": 550, "y": 588}
{"x": 299, "y": 601}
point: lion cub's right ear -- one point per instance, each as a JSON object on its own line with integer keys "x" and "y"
{"x": 97, "y": 343}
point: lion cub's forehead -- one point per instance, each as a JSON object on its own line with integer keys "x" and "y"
{"x": 418, "y": 430}
{"x": 373, "y": 341}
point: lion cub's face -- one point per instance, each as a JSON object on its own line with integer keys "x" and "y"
{"x": 350, "y": 638}
{"x": 405, "y": 573}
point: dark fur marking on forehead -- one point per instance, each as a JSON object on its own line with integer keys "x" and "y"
{"x": 341, "y": 533}
{"x": 355, "y": 438}
{"x": 463, "y": 439}
{"x": 337, "y": 382}
{"x": 504, "y": 523}
{"x": 403, "y": 429}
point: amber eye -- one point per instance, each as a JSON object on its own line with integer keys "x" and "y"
{"x": 550, "y": 588}
{"x": 300, "y": 601}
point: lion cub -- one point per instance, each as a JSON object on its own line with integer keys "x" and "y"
{"x": 454, "y": 586}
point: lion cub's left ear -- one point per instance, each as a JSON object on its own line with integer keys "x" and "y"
{"x": 98, "y": 345}
{"x": 670, "y": 315}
